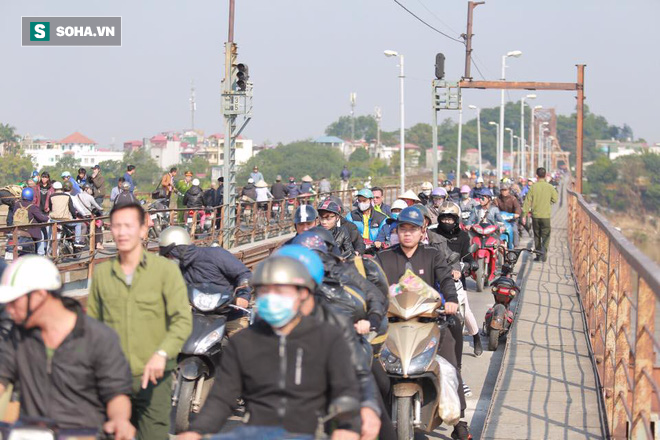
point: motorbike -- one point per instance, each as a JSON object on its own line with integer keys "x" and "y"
{"x": 203, "y": 224}
{"x": 32, "y": 428}
{"x": 485, "y": 237}
{"x": 509, "y": 224}
{"x": 24, "y": 245}
{"x": 200, "y": 355}
{"x": 499, "y": 318}
{"x": 160, "y": 219}
{"x": 409, "y": 357}
{"x": 66, "y": 242}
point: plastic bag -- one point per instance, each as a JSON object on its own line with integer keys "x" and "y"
{"x": 449, "y": 404}
{"x": 409, "y": 282}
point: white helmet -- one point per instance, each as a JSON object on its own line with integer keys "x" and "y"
{"x": 480, "y": 179}
{"x": 399, "y": 204}
{"x": 174, "y": 235}
{"x": 250, "y": 180}
{"x": 19, "y": 278}
{"x": 57, "y": 185}
{"x": 195, "y": 182}
{"x": 427, "y": 186}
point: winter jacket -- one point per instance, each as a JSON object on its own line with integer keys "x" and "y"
{"x": 263, "y": 195}
{"x": 428, "y": 262}
{"x": 384, "y": 208}
{"x": 125, "y": 198}
{"x": 454, "y": 195}
{"x": 306, "y": 188}
{"x": 440, "y": 242}
{"x": 376, "y": 222}
{"x": 343, "y": 241}
{"x": 458, "y": 241}
{"x": 250, "y": 191}
{"x": 129, "y": 179}
{"x": 345, "y": 174}
{"x": 424, "y": 199}
{"x": 540, "y": 199}
{"x": 61, "y": 207}
{"x": 88, "y": 205}
{"x": 42, "y": 196}
{"x": 279, "y": 191}
{"x": 98, "y": 185}
{"x": 356, "y": 239}
{"x": 508, "y": 204}
{"x": 324, "y": 186}
{"x": 492, "y": 215}
{"x": 293, "y": 190}
{"x": 194, "y": 197}
{"x": 35, "y": 215}
{"x": 285, "y": 380}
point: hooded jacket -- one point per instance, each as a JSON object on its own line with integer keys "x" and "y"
{"x": 286, "y": 381}
{"x": 250, "y": 191}
{"x": 376, "y": 222}
{"x": 194, "y": 197}
{"x": 354, "y": 235}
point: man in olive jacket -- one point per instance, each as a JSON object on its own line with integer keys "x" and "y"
{"x": 143, "y": 297}
{"x": 538, "y": 202}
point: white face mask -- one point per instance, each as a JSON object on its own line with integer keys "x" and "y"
{"x": 427, "y": 192}
{"x": 364, "y": 206}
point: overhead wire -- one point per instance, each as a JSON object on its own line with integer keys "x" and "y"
{"x": 427, "y": 24}
{"x": 436, "y": 17}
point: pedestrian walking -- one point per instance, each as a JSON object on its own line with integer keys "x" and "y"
{"x": 345, "y": 176}
{"x": 128, "y": 176}
{"x": 539, "y": 201}
{"x": 143, "y": 297}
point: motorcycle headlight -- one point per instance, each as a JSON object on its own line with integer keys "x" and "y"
{"x": 212, "y": 338}
{"x": 422, "y": 360}
{"x": 391, "y": 363}
{"x": 31, "y": 434}
{"x": 206, "y": 301}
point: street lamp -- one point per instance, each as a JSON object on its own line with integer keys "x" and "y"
{"x": 542, "y": 130}
{"x": 521, "y": 160}
{"x": 497, "y": 135}
{"x": 510, "y": 130}
{"x": 500, "y": 145}
{"x": 402, "y": 140}
{"x": 531, "y": 147}
{"x": 474, "y": 107}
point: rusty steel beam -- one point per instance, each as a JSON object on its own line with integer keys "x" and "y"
{"x": 579, "y": 142}
{"x": 517, "y": 85}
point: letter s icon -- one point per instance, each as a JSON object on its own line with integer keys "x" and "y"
{"x": 39, "y": 31}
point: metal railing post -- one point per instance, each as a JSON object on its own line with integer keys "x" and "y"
{"x": 644, "y": 355}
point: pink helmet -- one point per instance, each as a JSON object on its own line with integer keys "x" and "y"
{"x": 465, "y": 189}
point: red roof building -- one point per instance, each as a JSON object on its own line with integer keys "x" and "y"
{"x": 77, "y": 138}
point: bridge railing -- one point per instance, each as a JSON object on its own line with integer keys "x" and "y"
{"x": 620, "y": 289}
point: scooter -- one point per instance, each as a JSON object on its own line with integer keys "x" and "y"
{"x": 200, "y": 355}
{"x": 485, "y": 237}
{"x": 409, "y": 357}
{"x": 161, "y": 218}
{"x": 507, "y": 236}
{"x": 499, "y": 318}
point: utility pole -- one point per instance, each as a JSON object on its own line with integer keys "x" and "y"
{"x": 353, "y": 101}
{"x": 236, "y": 100}
{"x": 458, "y": 148}
{"x": 468, "y": 39}
{"x": 193, "y": 104}
{"x": 580, "y": 128}
{"x": 379, "y": 116}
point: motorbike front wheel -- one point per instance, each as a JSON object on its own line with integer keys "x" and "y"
{"x": 493, "y": 339}
{"x": 404, "y": 418}
{"x": 481, "y": 274}
{"x": 183, "y": 405}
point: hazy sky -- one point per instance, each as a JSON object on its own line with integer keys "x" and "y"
{"x": 306, "y": 56}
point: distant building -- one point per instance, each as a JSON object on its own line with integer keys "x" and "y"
{"x": 132, "y": 146}
{"x": 165, "y": 149}
{"x": 412, "y": 152}
{"x": 47, "y": 152}
{"x": 333, "y": 141}
{"x": 214, "y": 148}
{"x": 429, "y": 156}
{"x": 615, "y": 148}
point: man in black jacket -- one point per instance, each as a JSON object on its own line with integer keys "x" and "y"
{"x": 329, "y": 214}
{"x": 430, "y": 264}
{"x": 354, "y": 235}
{"x": 279, "y": 190}
{"x": 194, "y": 197}
{"x": 288, "y": 368}
{"x": 210, "y": 265}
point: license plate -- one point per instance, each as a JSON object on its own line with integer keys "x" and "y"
{"x": 154, "y": 216}
{"x": 9, "y": 255}
{"x": 189, "y": 220}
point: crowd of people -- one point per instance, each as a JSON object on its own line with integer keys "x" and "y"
{"x": 319, "y": 300}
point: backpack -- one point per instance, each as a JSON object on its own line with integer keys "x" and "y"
{"x": 21, "y": 215}
{"x": 15, "y": 190}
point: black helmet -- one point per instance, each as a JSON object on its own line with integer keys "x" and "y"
{"x": 305, "y": 213}
{"x": 330, "y": 206}
{"x": 446, "y": 183}
{"x": 411, "y": 215}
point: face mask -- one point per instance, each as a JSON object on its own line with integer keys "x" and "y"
{"x": 395, "y": 215}
{"x": 364, "y": 206}
{"x": 465, "y": 195}
{"x": 427, "y": 192}
{"x": 276, "y": 310}
{"x": 438, "y": 202}
{"x": 446, "y": 227}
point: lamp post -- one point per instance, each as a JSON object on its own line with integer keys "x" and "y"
{"x": 402, "y": 137}
{"x": 474, "y": 107}
{"x": 510, "y": 130}
{"x": 549, "y": 153}
{"x": 531, "y": 147}
{"x": 542, "y": 130}
{"x": 497, "y": 135}
{"x": 521, "y": 160}
{"x": 500, "y": 144}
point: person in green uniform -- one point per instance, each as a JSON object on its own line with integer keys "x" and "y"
{"x": 182, "y": 186}
{"x": 143, "y": 297}
{"x": 538, "y": 202}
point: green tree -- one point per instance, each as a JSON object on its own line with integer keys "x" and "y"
{"x": 66, "y": 163}
{"x": 365, "y": 128}
{"x": 147, "y": 173}
{"x": 14, "y": 168}
{"x": 8, "y": 136}
{"x": 359, "y": 155}
{"x": 420, "y": 134}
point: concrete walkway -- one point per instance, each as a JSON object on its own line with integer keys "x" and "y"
{"x": 546, "y": 388}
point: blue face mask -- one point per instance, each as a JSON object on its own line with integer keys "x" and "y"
{"x": 276, "y": 310}
{"x": 395, "y": 215}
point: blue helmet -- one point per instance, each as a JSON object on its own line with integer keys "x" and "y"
{"x": 305, "y": 213}
{"x": 411, "y": 215}
{"x": 27, "y": 194}
{"x": 485, "y": 192}
{"x": 366, "y": 193}
{"x": 307, "y": 257}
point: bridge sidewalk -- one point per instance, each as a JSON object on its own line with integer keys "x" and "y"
{"x": 546, "y": 387}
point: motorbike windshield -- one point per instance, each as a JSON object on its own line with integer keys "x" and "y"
{"x": 412, "y": 297}
{"x": 507, "y": 216}
{"x": 209, "y": 297}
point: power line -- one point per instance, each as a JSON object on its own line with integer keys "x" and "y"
{"x": 437, "y": 18}
{"x": 428, "y": 25}
{"x": 477, "y": 67}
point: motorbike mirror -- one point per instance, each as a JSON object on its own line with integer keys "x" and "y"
{"x": 473, "y": 247}
{"x": 454, "y": 258}
{"x": 343, "y": 408}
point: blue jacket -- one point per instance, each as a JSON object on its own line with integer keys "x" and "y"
{"x": 493, "y": 216}
{"x": 376, "y": 222}
{"x": 76, "y": 188}
{"x": 128, "y": 178}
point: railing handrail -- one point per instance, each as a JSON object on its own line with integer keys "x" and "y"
{"x": 640, "y": 262}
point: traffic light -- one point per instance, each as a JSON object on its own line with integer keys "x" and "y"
{"x": 440, "y": 66}
{"x": 242, "y": 76}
